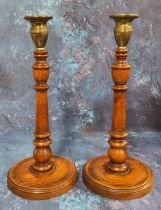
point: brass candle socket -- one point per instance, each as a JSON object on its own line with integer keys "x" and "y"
{"x": 123, "y": 28}
{"x": 39, "y": 29}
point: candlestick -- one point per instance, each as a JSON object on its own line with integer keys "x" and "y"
{"x": 44, "y": 175}
{"x": 117, "y": 175}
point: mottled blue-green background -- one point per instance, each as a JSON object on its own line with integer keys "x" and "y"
{"x": 81, "y": 49}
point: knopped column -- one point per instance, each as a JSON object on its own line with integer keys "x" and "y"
{"x": 117, "y": 152}
{"x": 42, "y": 152}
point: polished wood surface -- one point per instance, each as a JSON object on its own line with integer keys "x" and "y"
{"x": 44, "y": 175}
{"x": 42, "y": 153}
{"x": 116, "y": 175}
{"x": 23, "y": 182}
{"x": 117, "y": 152}
{"x": 134, "y": 184}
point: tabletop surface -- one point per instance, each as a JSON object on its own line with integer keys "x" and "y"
{"x": 80, "y": 146}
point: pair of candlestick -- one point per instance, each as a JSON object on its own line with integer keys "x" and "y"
{"x": 114, "y": 175}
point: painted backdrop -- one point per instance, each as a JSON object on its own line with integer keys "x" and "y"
{"x": 81, "y": 49}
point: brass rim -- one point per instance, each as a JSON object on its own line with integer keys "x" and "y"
{"x": 38, "y": 18}
{"x": 123, "y": 15}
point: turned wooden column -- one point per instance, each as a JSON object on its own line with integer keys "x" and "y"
{"x": 44, "y": 175}
{"x": 42, "y": 153}
{"x": 117, "y": 152}
{"x": 116, "y": 175}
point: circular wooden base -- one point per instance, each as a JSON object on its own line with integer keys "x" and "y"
{"x": 134, "y": 184}
{"x": 23, "y": 182}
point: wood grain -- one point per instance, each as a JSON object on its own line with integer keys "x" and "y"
{"x": 27, "y": 184}
{"x": 42, "y": 176}
{"x": 137, "y": 182}
{"x": 116, "y": 175}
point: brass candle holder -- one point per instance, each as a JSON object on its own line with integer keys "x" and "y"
{"x": 117, "y": 175}
{"x": 44, "y": 175}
